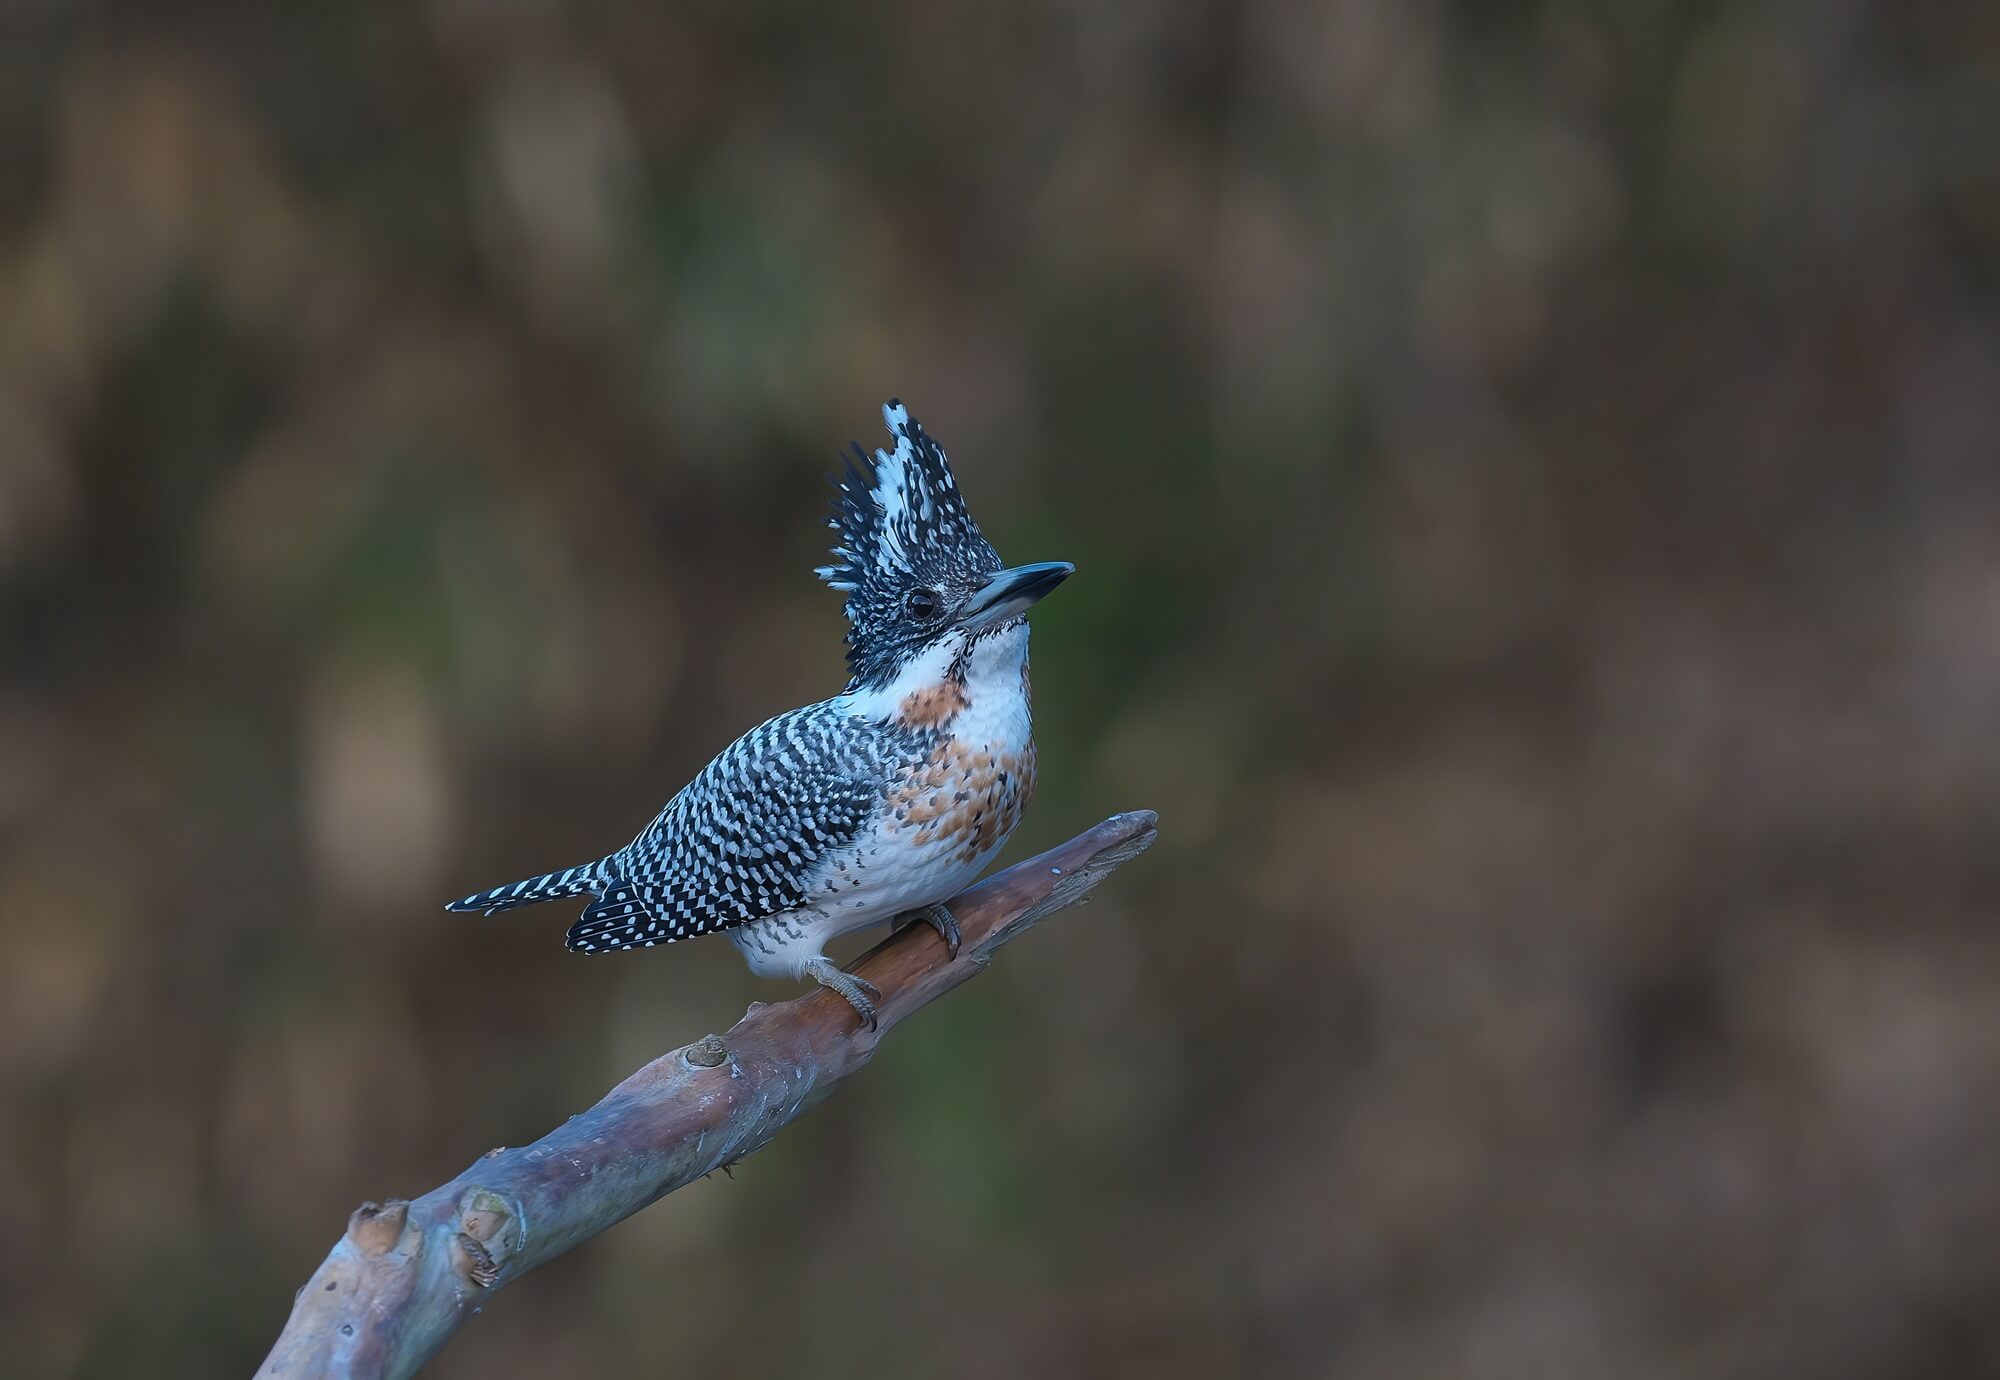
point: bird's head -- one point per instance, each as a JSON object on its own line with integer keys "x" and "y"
{"x": 913, "y": 563}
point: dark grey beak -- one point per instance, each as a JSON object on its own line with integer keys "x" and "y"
{"x": 1010, "y": 593}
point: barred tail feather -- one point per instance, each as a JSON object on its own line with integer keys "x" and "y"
{"x": 574, "y": 881}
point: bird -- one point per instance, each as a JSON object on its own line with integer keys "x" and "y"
{"x": 874, "y": 806}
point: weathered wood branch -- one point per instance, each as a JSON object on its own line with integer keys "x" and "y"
{"x": 406, "y": 1274}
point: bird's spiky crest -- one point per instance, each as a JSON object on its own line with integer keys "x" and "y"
{"x": 902, "y": 524}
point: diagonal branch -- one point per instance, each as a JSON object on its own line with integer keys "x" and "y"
{"x": 406, "y": 1274}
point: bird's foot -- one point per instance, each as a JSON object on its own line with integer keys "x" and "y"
{"x": 938, "y": 917}
{"x": 860, "y": 993}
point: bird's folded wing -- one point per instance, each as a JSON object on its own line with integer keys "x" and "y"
{"x": 764, "y": 826}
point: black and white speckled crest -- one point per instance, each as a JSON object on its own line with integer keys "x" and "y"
{"x": 903, "y": 527}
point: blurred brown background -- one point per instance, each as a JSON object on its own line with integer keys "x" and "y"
{"x": 1535, "y": 470}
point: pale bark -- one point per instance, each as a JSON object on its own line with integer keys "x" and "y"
{"x": 405, "y": 1275}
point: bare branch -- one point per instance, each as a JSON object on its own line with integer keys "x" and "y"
{"x": 406, "y": 1274}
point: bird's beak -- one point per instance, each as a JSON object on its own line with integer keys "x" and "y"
{"x": 1009, "y": 593}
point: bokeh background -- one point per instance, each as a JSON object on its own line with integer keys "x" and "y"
{"x": 1535, "y": 471}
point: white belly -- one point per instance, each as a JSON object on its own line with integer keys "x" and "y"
{"x": 889, "y": 875}
{"x": 939, "y": 827}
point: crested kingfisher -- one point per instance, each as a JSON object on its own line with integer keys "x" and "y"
{"x": 881, "y": 802}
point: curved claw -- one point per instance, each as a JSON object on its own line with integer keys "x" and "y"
{"x": 940, "y": 918}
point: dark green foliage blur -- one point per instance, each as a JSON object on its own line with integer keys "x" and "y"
{"x": 1534, "y": 471}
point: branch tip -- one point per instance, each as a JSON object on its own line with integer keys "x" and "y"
{"x": 377, "y": 1227}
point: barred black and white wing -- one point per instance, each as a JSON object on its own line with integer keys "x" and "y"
{"x": 754, "y": 835}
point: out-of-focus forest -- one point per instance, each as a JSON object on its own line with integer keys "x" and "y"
{"x": 1535, "y": 476}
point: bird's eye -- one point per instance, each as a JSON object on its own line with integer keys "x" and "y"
{"x": 923, "y": 604}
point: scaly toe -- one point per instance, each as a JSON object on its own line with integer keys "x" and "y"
{"x": 946, "y": 924}
{"x": 858, "y": 992}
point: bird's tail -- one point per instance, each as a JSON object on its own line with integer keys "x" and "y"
{"x": 574, "y": 881}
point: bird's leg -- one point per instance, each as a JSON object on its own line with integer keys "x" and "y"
{"x": 938, "y": 917}
{"x": 861, "y": 994}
